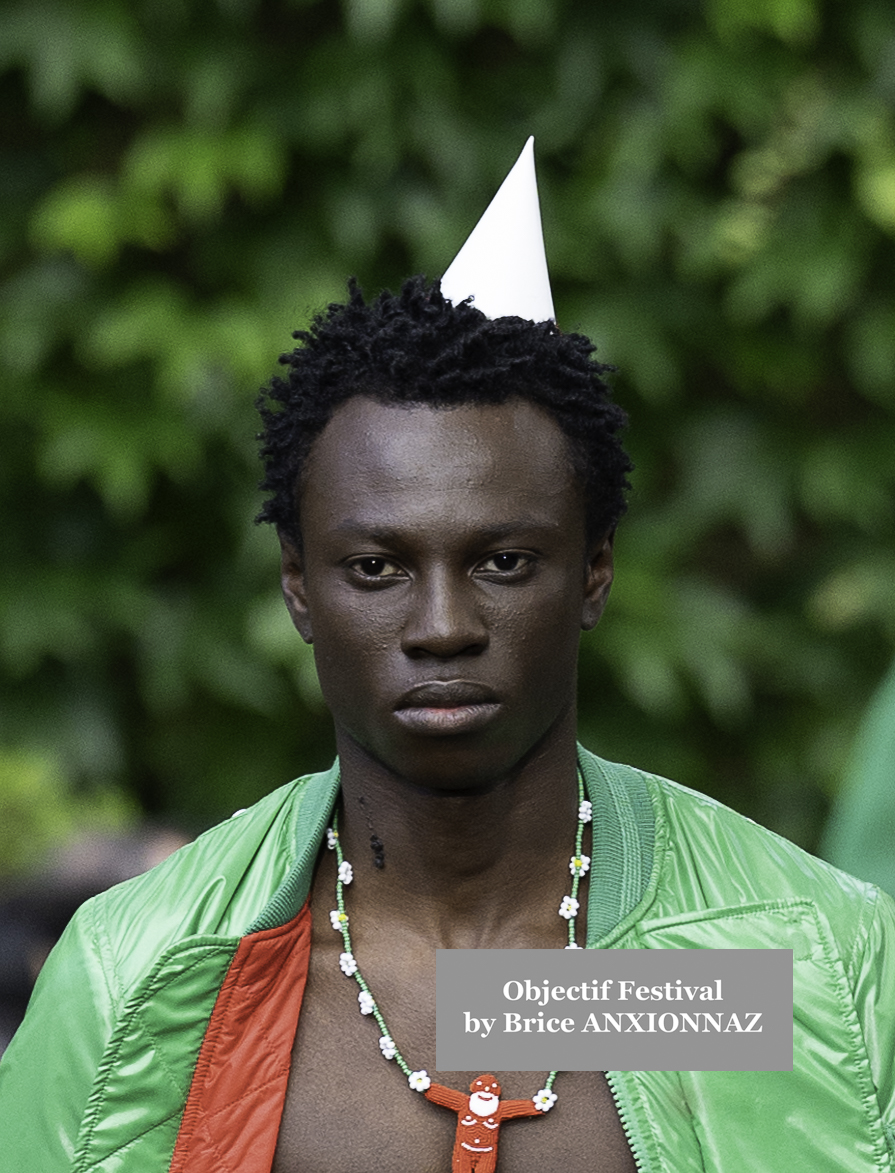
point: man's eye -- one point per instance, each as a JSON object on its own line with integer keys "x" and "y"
{"x": 505, "y": 563}
{"x": 375, "y": 567}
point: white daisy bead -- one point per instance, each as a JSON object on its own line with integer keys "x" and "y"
{"x": 387, "y": 1047}
{"x": 346, "y": 872}
{"x": 569, "y": 907}
{"x": 544, "y": 1100}
{"x": 419, "y": 1080}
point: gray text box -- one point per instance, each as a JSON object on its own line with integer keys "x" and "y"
{"x": 614, "y": 1009}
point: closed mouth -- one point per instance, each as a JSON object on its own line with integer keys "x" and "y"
{"x": 446, "y": 694}
{"x": 441, "y": 708}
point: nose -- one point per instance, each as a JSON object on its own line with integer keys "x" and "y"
{"x": 444, "y": 619}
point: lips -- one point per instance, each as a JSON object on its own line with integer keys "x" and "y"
{"x": 439, "y": 707}
{"x": 446, "y": 694}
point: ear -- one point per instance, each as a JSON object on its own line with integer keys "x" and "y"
{"x": 597, "y": 581}
{"x": 292, "y": 581}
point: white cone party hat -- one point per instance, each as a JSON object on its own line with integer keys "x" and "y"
{"x": 502, "y": 265}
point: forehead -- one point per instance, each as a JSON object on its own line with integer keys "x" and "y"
{"x": 376, "y": 460}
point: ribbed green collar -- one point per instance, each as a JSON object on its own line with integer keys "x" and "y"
{"x": 314, "y": 800}
{"x": 624, "y": 833}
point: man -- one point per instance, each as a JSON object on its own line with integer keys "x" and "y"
{"x": 446, "y": 488}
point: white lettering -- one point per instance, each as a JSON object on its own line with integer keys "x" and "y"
{"x": 474, "y": 1025}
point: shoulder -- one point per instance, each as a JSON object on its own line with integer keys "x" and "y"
{"x": 709, "y": 857}
{"x": 127, "y": 993}
{"x": 708, "y": 837}
{"x": 257, "y": 862}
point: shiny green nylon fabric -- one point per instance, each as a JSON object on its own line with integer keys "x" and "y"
{"x": 97, "y": 1078}
{"x": 98, "y": 1075}
{"x": 834, "y": 1112}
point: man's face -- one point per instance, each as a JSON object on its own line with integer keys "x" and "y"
{"x": 444, "y": 581}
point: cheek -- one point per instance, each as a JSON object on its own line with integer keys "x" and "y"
{"x": 350, "y": 642}
{"x": 535, "y": 627}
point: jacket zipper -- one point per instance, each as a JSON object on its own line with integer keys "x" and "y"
{"x": 628, "y": 1118}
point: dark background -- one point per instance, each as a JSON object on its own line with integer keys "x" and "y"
{"x": 184, "y": 182}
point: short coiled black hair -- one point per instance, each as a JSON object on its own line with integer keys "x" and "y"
{"x": 418, "y": 348}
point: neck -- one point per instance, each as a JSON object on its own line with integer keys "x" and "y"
{"x": 483, "y": 867}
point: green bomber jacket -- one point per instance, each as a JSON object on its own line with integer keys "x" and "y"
{"x": 159, "y": 1036}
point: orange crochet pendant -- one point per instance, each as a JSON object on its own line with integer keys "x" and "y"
{"x": 479, "y": 1117}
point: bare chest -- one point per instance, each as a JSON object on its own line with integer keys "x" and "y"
{"x": 348, "y": 1110}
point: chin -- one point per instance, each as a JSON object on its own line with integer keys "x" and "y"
{"x": 455, "y": 770}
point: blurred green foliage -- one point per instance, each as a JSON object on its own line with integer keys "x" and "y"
{"x": 185, "y": 181}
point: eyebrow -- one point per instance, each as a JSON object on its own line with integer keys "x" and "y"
{"x": 375, "y": 532}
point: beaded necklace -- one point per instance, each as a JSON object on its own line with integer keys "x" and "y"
{"x": 483, "y": 1110}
